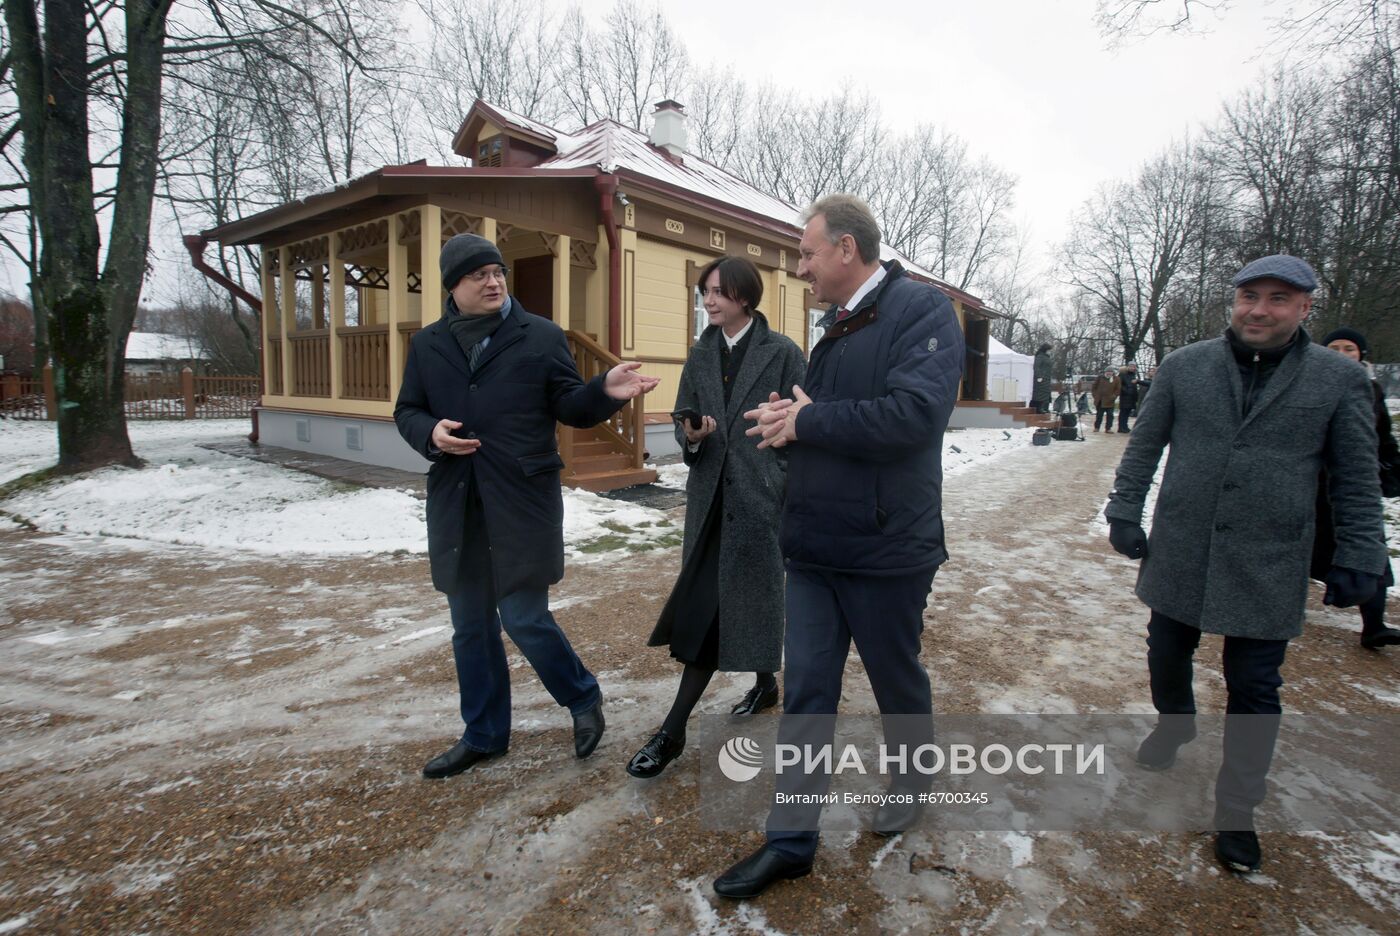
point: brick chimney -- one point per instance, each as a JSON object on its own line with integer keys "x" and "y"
{"x": 668, "y": 128}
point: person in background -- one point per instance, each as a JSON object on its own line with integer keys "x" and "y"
{"x": 1374, "y": 634}
{"x": 726, "y": 609}
{"x": 1105, "y": 394}
{"x": 1127, "y": 394}
{"x": 1040, "y": 392}
{"x": 1144, "y": 385}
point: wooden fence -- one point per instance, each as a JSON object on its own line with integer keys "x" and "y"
{"x": 156, "y": 396}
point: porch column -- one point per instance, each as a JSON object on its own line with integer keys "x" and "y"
{"x": 561, "y": 281}
{"x": 337, "y": 310}
{"x": 398, "y": 304}
{"x": 269, "y": 291}
{"x": 289, "y": 318}
{"x": 488, "y": 229}
{"x": 431, "y": 278}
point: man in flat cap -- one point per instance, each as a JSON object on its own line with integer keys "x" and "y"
{"x": 482, "y": 389}
{"x": 1251, "y": 417}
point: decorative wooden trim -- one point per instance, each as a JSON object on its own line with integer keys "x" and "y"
{"x": 364, "y": 239}
{"x": 717, "y": 241}
{"x": 583, "y": 254}
{"x": 410, "y": 227}
{"x": 459, "y": 222}
{"x": 314, "y": 251}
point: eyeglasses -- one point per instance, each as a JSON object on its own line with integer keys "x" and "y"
{"x": 489, "y": 273}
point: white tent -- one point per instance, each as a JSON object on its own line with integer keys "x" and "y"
{"x": 1010, "y": 376}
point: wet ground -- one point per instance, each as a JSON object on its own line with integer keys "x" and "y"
{"x": 210, "y": 742}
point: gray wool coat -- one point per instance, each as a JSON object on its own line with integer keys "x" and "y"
{"x": 1233, "y": 529}
{"x": 751, "y": 565}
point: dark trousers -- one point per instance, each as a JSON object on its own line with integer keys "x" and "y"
{"x": 1373, "y": 612}
{"x": 1125, "y": 410}
{"x": 826, "y": 611}
{"x": 1252, "y": 682}
{"x": 1099, "y": 415}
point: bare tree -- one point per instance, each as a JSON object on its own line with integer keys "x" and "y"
{"x": 619, "y": 70}
{"x": 88, "y": 83}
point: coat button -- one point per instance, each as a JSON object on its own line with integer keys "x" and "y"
{"x": 1222, "y": 527}
{"x": 729, "y": 517}
{"x": 461, "y": 484}
{"x": 1229, "y": 486}
{"x": 472, "y": 387}
{"x": 728, "y": 480}
{"x": 471, "y": 435}
{"x": 1238, "y": 446}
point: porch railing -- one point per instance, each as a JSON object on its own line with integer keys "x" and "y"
{"x": 146, "y": 396}
{"x": 627, "y": 426}
{"x": 364, "y": 362}
{"x": 311, "y": 362}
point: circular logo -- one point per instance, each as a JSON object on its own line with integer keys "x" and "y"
{"x": 740, "y": 759}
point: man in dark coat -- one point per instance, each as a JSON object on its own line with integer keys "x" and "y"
{"x": 862, "y": 526}
{"x": 1251, "y": 418}
{"x": 1040, "y": 393}
{"x": 1127, "y": 395}
{"x": 482, "y": 389}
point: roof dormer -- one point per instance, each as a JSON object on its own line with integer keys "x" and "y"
{"x": 492, "y": 137}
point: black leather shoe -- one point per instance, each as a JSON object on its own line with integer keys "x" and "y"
{"x": 1158, "y": 749}
{"x": 655, "y": 755}
{"x": 756, "y": 700}
{"x": 1384, "y": 637}
{"x": 1238, "y": 851}
{"x": 758, "y": 872}
{"x": 455, "y": 760}
{"x": 588, "y": 730}
{"x": 892, "y": 818}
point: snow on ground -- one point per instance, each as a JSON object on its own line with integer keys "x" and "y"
{"x": 193, "y": 496}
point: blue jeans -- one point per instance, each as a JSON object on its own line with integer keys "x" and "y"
{"x": 826, "y": 612}
{"x": 483, "y": 678}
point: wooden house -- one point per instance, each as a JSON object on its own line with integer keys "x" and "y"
{"x": 604, "y": 231}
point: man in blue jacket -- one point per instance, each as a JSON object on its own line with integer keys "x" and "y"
{"x": 862, "y": 527}
{"x": 482, "y": 389}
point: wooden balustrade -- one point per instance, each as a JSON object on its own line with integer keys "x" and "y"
{"x": 626, "y": 426}
{"x": 311, "y": 362}
{"x": 364, "y": 362}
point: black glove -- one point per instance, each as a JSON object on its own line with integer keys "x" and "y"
{"x": 1128, "y": 538}
{"x": 1347, "y": 588}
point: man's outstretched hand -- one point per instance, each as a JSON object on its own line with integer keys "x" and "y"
{"x": 1127, "y": 538}
{"x": 624, "y": 383}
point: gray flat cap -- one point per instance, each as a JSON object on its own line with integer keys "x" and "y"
{"x": 1291, "y": 270}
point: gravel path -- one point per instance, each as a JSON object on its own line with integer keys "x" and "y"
{"x": 195, "y": 741}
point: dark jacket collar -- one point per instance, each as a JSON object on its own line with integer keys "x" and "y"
{"x": 1244, "y": 354}
{"x": 893, "y": 270}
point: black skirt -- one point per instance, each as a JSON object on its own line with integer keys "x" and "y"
{"x": 689, "y": 622}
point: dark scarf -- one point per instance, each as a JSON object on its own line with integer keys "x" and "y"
{"x": 1256, "y": 366}
{"x": 471, "y": 330}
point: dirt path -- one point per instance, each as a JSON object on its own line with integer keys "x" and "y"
{"x": 212, "y": 743}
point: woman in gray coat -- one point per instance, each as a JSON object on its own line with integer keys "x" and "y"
{"x": 726, "y": 609}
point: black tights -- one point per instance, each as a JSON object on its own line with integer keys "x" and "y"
{"x": 1373, "y": 612}
{"x": 694, "y": 679}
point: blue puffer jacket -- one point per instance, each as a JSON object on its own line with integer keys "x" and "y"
{"x": 865, "y": 476}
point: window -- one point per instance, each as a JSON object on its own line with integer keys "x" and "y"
{"x": 702, "y": 318}
{"x": 814, "y": 331}
{"x": 490, "y": 152}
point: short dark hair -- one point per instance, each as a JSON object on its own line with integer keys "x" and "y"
{"x": 847, "y": 214}
{"x": 739, "y": 280}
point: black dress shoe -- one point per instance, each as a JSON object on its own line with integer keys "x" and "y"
{"x": 655, "y": 755}
{"x": 1158, "y": 749}
{"x": 1384, "y": 637}
{"x": 892, "y": 818}
{"x": 455, "y": 760}
{"x": 756, "y": 873}
{"x": 1238, "y": 851}
{"x": 588, "y": 730}
{"x": 756, "y": 700}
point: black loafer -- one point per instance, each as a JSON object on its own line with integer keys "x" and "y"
{"x": 756, "y": 700}
{"x": 892, "y": 818}
{"x": 758, "y": 872}
{"x": 1384, "y": 637}
{"x": 455, "y": 760}
{"x": 655, "y": 755}
{"x": 588, "y": 730}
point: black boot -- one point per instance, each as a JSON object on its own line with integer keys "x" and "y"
{"x": 1158, "y": 749}
{"x": 1236, "y": 843}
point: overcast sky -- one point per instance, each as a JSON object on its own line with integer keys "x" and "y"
{"x": 1028, "y": 83}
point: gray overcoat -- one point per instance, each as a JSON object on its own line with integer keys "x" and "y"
{"x": 1233, "y": 529}
{"x": 750, "y": 564}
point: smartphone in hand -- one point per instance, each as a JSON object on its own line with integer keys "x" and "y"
{"x": 687, "y": 415}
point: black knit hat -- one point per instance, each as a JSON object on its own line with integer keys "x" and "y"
{"x": 463, "y": 254}
{"x": 1346, "y": 334}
